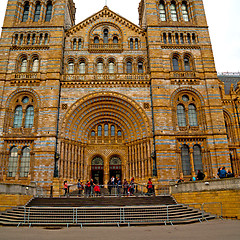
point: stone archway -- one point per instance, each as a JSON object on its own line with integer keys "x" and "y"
{"x": 87, "y": 131}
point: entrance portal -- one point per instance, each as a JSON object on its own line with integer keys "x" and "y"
{"x": 115, "y": 167}
{"x": 97, "y": 170}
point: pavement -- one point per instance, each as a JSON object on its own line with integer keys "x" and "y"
{"x": 212, "y": 230}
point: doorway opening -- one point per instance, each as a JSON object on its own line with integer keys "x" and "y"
{"x": 115, "y": 168}
{"x": 97, "y": 170}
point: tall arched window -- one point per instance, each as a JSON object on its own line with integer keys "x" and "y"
{"x": 25, "y": 162}
{"x": 185, "y": 12}
{"x": 197, "y": 158}
{"x": 96, "y": 40}
{"x": 25, "y": 12}
{"x": 74, "y": 44}
{"x": 173, "y": 11}
{"x": 46, "y": 39}
{"x": 13, "y": 162}
{"x": 49, "y": 12}
{"x": 181, "y": 38}
{"x": 111, "y": 67}
{"x": 194, "y": 38}
{"x": 16, "y": 39}
{"x": 115, "y": 39}
{"x": 140, "y": 67}
{"x": 33, "y": 39}
{"x": 169, "y": 38}
{"x": 71, "y": 67}
{"x": 18, "y": 114}
{"x": 176, "y": 38}
{"x": 192, "y": 115}
{"x": 99, "y": 131}
{"x": 175, "y": 64}
{"x": 187, "y": 64}
{"x": 79, "y": 44}
{"x": 28, "y": 39}
{"x": 41, "y": 38}
{"x": 185, "y": 157}
{"x": 37, "y": 12}
{"x": 29, "y": 117}
{"x": 105, "y": 36}
{"x": 136, "y": 43}
{"x": 181, "y": 116}
{"x": 23, "y": 67}
{"x": 112, "y": 130}
{"x": 35, "y": 66}
{"x": 129, "y": 67}
{"x": 189, "y": 38}
{"x": 21, "y": 39}
{"x": 100, "y": 67}
{"x": 164, "y": 38}
{"x": 131, "y": 43}
{"x": 162, "y": 11}
{"x": 82, "y": 67}
{"x": 106, "y": 130}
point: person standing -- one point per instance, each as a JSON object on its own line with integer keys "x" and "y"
{"x": 150, "y": 187}
{"x": 125, "y": 187}
{"x": 119, "y": 186}
{"x": 65, "y": 186}
{"x": 200, "y": 175}
{"x": 80, "y": 187}
{"x": 132, "y": 186}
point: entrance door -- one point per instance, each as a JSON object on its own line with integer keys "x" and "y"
{"x": 115, "y": 167}
{"x": 97, "y": 170}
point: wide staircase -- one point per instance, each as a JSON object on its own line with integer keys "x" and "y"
{"x": 118, "y": 211}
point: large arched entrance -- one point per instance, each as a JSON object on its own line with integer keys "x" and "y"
{"x": 115, "y": 167}
{"x": 109, "y": 125}
{"x": 97, "y": 169}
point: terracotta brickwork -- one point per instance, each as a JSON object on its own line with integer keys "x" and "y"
{"x": 107, "y": 97}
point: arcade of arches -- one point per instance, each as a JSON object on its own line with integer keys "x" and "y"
{"x": 105, "y": 135}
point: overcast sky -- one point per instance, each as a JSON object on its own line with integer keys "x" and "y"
{"x": 223, "y": 19}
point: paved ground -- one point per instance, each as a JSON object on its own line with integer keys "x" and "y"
{"x": 213, "y": 230}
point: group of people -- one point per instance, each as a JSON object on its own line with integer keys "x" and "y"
{"x": 114, "y": 185}
{"x": 222, "y": 173}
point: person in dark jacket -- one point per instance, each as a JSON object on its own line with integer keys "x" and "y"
{"x": 222, "y": 173}
{"x": 200, "y": 175}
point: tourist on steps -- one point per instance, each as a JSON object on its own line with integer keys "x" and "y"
{"x": 80, "y": 187}
{"x": 65, "y": 186}
{"x": 125, "y": 187}
{"x": 150, "y": 187}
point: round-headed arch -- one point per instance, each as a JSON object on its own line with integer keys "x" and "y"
{"x": 108, "y": 107}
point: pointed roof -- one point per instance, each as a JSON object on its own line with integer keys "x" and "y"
{"x": 104, "y": 13}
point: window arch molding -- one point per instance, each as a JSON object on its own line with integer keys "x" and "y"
{"x": 176, "y": 61}
{"x": 100, "y": 65}
{"x": 25, "y": 99}
{"x": 127, "y": 66}
{"x": 34, "y": 66}
{"x": 82, "y": 69}
{"x": 191, "y": 66}
{"x": 70, "y": 65}
{"x": 195, "y": 119}
{"x": 22, "y": 66}
{"x": 141, "y": 61}
{"x": 229, "y": 125}
{"x": 112, "y": 65}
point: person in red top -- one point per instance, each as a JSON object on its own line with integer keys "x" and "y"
{"x": 150, "y": 187}
{"x": 65, "y": 186}
{"x": 97, "y": 190}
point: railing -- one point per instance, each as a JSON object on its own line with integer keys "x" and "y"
{"x": 105, "y": 47}
{"x": 115, "y": 191}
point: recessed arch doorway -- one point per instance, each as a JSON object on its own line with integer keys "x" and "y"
{"x": 115, "y": 167}
{"x": 97, "y": 168}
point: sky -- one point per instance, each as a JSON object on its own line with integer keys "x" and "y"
{"x": 223, "y": 20}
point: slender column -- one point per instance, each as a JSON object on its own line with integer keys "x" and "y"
{"x": 69, "y": 161}
{"x": 72, "y": 161}
{"x": 61, "y": 160}
{"x": 191, "y": 161}
{"x": 133, "y": 162}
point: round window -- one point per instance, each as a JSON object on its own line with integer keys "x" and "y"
{"x": 185, "y": 98}
{"x": 25, "y": 100}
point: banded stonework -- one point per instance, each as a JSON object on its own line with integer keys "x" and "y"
{"x": 108, "y": 98}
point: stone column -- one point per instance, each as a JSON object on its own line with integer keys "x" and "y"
{"x": 191, "y": 161}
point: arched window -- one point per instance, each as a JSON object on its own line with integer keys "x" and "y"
{"x": 194, "y": 38}
{"x": 79, "y": 44}
{"x": 136, "y": 43}
{"x": 131, "y": 43}
{"x": 13, "y": 162}
{"x": 169, "y": 38}
{"x": 181, "y": 38}
{"x": 119, "y": 133}
{"x": 93, "y": 133}
{"x": 175, "y": 64}
{"x": 49, "y": 12}
{"x": 71, "y": 67}
{"x": 181, "y": 116}
{"x": 37, "y": 12}
{"x": 35, "y": 66}
{"x": 106, "y": 130}
{"x": 16, "y": 39}
{"x": 99, "y": 131}
{"x": 112, "y": 130}
{"x": 173, "y": 11}
{"x": 41, "y": 38}
{"x": 29, "y": 117}
{"x": 46, "y": 39}
{"x": 162, "y": 11}
{"x": 197, "y": 158}
{"x": 187, "y": 64}
{"x": 129, "y": 67}
{"x": 164, "y": 38}
{"x": 23, "y": 67}
{"x": 96, "y": 40}
{"x": 115, "y": 39}
{"x": 176, "y": 38}
{"x": 192, "y": 115}
{"x": 185, "y": 157}
{"x": 100, "y": 67}
{"x": 105, "y": 36}
{"x": 185, "y": 12}
{"x": 33, "y": 39}
{"x": 189, "y": 38}
{"x": 18, "y": 114}
{"x": 28, "y": 39}
{"x": 74, "y": 44}
{"x": 111, "y": 67}
{"x": 82, "y": 67}
{"x": 25, "y": 12}
{"x": 25, "y": 162}
{"x": 140, "y": 67}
